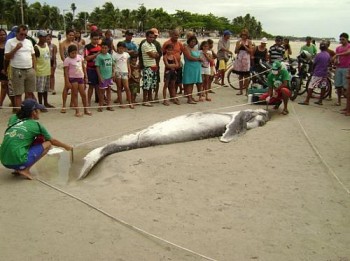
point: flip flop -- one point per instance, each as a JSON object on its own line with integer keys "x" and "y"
{"x": 318, "y": 102}
{"x": 63, "y": 110}
{"x": 239, "y": 93}
{"x": 303, "y": 103}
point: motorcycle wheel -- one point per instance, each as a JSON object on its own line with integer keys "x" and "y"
{"x": 303, "y": 88}
{"x": 295, "y": 88}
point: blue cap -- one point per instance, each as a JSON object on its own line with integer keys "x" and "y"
{"x": 30, "y": 105}
{"x": 227, "y": 32}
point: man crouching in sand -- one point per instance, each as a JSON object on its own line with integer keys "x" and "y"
{"x": 26, "y": 140}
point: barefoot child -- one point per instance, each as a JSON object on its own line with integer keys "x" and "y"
{"x": 75, "y": 77}
{"x": 171, "y": 64}
{"x": 122, "y": 73}
{"x": 212, "y": 65}
{"x": 105, "y": 70}
{"x": 134, "y": 78}
{"x": 206, "y": 72}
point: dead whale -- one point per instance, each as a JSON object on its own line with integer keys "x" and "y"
{"x": 189, "y": 127}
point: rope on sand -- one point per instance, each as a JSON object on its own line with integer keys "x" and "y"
{"x": 124, "y": 223}
{"x": 319, "y": 155}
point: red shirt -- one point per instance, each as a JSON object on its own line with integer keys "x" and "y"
{"x": 90, "y": 50}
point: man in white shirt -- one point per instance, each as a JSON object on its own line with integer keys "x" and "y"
{"x": 20, "y": 52}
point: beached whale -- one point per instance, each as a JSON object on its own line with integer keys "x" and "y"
{"x": 189, "y": 127}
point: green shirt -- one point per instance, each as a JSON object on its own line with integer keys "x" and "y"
{"x": 105, "y": 64}
{"x": 18, "y": 138}
{"x": 311, "y": 49}
{"x": 275, "y": 81}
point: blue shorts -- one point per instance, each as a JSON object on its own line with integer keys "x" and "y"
{"x": 34, "y": 154}
{"x": 92, "y": 76}
{"x": 340, "y": 80}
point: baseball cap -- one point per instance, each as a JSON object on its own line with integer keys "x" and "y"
{"x": 128, "y": 32}
{"x": 264, "y": 40}
{"x": 41, "y": 33}
{"x": 155, "y": 31}
{"x": 93, "y": 28}
{"x": 227, "y": 32}
{"x": 30, "y": 105}
{"x": 276, "y": 65}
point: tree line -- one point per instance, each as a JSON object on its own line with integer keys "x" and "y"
{"x": 108, "y": 16}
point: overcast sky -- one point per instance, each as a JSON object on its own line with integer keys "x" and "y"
{"x": 322, "y": 18}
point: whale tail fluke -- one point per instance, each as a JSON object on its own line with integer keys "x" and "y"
{"x": 92, "y": 158}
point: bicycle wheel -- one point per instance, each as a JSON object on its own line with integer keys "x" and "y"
{"x": 316, "y": 92}
{"x": 232, "y": 79}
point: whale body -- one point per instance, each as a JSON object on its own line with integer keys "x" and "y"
{"x": 188, "y": 127}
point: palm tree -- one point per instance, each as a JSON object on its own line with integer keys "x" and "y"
{"x": 73, "y": 8}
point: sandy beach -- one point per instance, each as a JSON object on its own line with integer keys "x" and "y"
{"x": 279, "y": 192}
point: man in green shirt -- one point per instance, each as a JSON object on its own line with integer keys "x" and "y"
{"x": 26, "y": 140}
{"x": 278, "y": 82}
{"x": 309, "y": 47}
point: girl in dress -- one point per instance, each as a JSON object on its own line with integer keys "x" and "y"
{"x": 206, "y": 56}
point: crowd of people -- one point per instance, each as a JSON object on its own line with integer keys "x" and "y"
{"x": 92, "y": 68}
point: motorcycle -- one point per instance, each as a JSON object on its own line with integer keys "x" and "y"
{"x": 295, "y": 82}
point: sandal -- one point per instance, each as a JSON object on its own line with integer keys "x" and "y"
{"x": 99, "y": 109}
{"x": 284, "y": 112}
{"x": 147, "y": 104}
{"x": 165, "y": 103}
{"x": 337, "y": 104}
{"x": 318, "y": 102}
{"x": 304, "y": 103}
{"x": 63, "y": 110}
{"x": 109, "y": 109}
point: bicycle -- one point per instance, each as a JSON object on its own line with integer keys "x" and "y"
{"x": 316, "y": 92}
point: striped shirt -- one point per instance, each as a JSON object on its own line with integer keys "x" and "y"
{"x": 147, "y": 60}
{"x": 276, "y": 53}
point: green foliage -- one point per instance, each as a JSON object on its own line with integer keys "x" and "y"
{"x": 43, "y": 16}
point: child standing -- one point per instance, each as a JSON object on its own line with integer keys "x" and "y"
{"x": 212, "y": 64}
{"x": 134, "y": 78}
{"x": 206, "y": 58}
{"x": 170, "y": 75}
{"x": 122, "y": 73}
{"x": 105, "y": 71}
{"x": 75, "y": 77}
{"x": 53, "y": 62}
